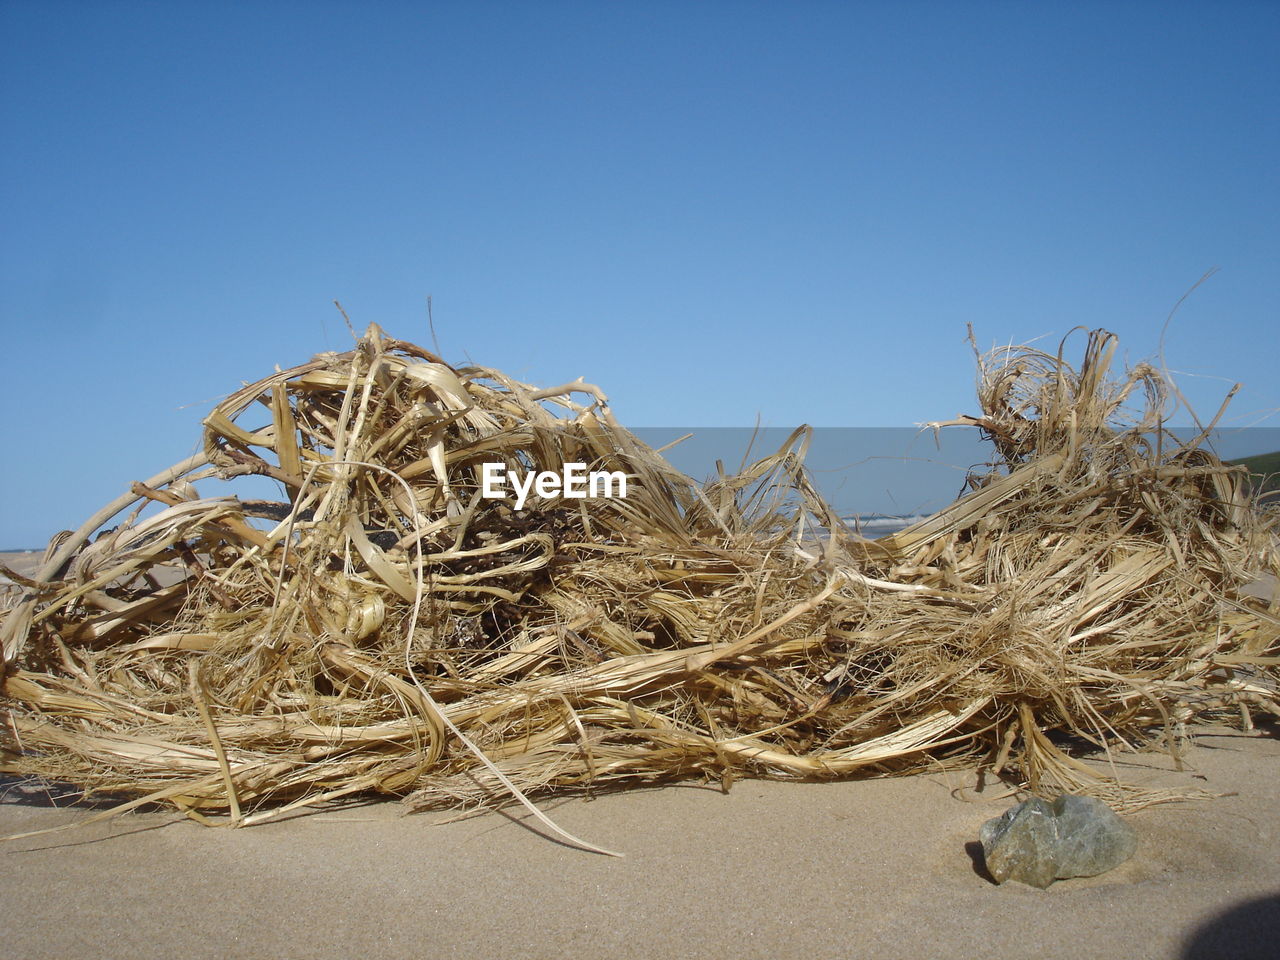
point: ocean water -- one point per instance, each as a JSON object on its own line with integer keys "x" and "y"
{"x": 875, "y": 526}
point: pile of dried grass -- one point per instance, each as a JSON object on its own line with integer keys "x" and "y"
{"x": 392, "y": 631}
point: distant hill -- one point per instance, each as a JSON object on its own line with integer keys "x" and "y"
{"x": 1265, "y": 468}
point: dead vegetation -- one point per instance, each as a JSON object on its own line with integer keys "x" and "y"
{"x": 385, "y": 629}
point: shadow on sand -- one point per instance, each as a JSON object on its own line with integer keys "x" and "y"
{"x": 35, "y": 792}
{"x": 1249, "y": 931}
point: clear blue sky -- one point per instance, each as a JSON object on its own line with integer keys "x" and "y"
{"x": 711, "y": 209}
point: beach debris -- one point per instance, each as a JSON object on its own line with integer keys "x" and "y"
{"x": 384, "y": 626}
{"x": 1036, "y": 843}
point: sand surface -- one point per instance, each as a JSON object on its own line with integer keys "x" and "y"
{"x": 24, "y": 562}
{"x": 878, "y": 868}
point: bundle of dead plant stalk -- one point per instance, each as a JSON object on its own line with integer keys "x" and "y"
{"x": 385, "y": 628}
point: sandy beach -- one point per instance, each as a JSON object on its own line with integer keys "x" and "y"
{"x": 640, "y": 480}
{"x": 873, "y": 868}
{"x": 876, "y": 868}
{"x": 24, "y": 562}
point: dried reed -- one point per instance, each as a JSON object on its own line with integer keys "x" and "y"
{"x": 386, "y": 629}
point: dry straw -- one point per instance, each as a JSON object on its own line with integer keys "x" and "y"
{"x": 384, "y": 629}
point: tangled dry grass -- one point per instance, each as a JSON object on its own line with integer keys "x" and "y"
{"x": 386, "y": 629}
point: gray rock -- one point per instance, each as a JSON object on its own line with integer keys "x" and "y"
{"x": 1037, "y": 842}
{"x": 1091, "y": 838}
{"x": 1021, "y": 844}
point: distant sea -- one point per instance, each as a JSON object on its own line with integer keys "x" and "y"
{"x": 876, "y": 525}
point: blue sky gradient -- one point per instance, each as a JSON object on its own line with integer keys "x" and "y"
{"x": 713, "y": 210}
